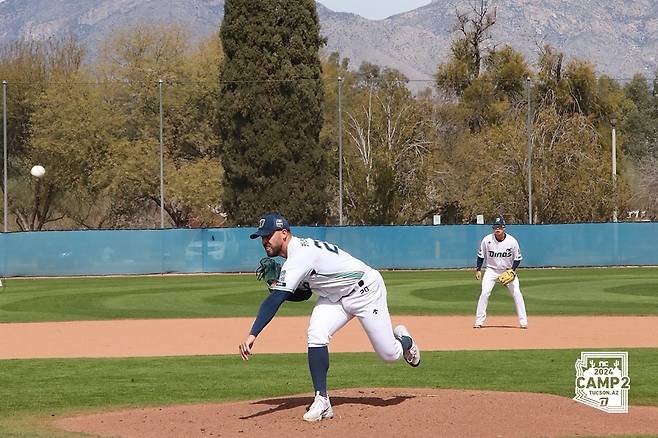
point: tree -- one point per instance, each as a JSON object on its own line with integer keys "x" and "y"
{"x": 486, "y": 81}
{"x": 571, "y": 88}
{"x": 34, "y": 203}
{"x": 270, "y": 112}
{"x": 72, "y": 130}
{"x": 570, "y": 171}
{"x": 581, "y": 82}
{"x": 639, "y": 123}
{"x": 130, "y": 64}
{"x": 333, "y": 68}
{"x": 137, "y": 58}
{"x": 469, "y": 50}
{"x": 389, "y": 136}
{"x": 645, "y": 196}
{"x": 24, "y": 65}
{"x": 507, "y": 71}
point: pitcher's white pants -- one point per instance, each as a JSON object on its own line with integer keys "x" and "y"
{"x": 368, "y": 304}
{"x": 488, "y": 282}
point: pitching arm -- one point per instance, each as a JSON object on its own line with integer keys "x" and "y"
{"x": 268, "y": 309}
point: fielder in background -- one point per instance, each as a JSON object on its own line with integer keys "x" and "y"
{"x": 502, "y": 255}
{"x": 346, "y": 286}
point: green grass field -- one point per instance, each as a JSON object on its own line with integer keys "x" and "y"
{"x": 621, "y": 291}
{"x": 32, "y": 391}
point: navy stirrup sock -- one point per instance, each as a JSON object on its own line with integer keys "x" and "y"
{"x": 406, "y": 342}
{"x": 318, "y": 363}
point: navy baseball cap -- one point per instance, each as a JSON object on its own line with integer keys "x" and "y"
{"x": 270, "y": 223}
{"x": 498, "y": 222}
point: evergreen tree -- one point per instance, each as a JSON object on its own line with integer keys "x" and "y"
{"x": 270, "y": 112}
{"x": 640, "y": 121}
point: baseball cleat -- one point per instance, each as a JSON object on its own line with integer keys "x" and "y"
{"x": 477, "y": 326}
{"x": 412, "y": 355}
{"x": 524, "y": 326}
{"x": 319, "y": 410}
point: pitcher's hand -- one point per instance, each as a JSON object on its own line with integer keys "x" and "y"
{"x": 245, "y": 347}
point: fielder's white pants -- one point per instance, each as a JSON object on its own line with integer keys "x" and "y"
{"x": 488, "y": 282}
{"x": 368, "y": 303}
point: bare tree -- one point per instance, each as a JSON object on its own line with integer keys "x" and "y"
{"x": 468, "y": 50}
{"x": 646, "y": 195}
{"x": 475, "y": 25}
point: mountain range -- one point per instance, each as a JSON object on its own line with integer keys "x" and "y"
{"x": 619, "y": 36}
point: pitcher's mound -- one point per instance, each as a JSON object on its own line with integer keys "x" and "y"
{"x": 376, "y": 413}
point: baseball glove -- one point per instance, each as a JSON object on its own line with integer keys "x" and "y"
{"x": 507, "y": 277}
{"x": 268, "y": 270}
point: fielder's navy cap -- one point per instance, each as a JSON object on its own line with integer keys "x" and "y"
{"x": 498, "y": 222}
{"x": 270, "y": 223}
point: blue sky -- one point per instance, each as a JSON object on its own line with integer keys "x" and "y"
{"x": 374, "y": 9}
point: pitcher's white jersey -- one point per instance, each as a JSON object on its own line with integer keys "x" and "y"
{"x": 499, "y": 256}
{"x": 329, "y": 271}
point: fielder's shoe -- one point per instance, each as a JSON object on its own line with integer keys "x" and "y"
{"x": 319, "y": 410}
{"x": 412, "y": 355}
{"x": 477, "y": 325}
{"x": 524, "y": 326}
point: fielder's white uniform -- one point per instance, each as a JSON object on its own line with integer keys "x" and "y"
{"x": 498, "y": 257}
{"x": 347, "y": 288}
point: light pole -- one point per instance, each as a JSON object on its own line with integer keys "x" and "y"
{"x": 529, "y": 132}
{"x": 160, "y": 82}
{"x": 340, "y": 152}
{"x": 613, "y": 122}
{"x": 4, "y": 151}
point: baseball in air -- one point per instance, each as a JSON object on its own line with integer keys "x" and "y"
{"x": 38, "y": 171}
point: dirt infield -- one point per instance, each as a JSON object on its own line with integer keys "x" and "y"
{"x": 359, "y": 412}
{"x": 182, "y": 337}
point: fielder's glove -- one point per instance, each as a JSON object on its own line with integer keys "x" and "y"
{"x": 268, "y": 270}
{"x": 507, "y": 277}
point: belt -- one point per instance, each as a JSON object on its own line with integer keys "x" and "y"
{"x": 358, "y": 285}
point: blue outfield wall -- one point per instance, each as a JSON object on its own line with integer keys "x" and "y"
{"x": 52, "y": 253}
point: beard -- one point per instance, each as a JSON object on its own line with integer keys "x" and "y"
{"x": 271, "y": 251}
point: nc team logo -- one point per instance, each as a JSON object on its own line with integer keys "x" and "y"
{"x": 602, "y": 381}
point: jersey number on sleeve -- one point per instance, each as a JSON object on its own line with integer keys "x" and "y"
{"x": 327, "y": 246}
